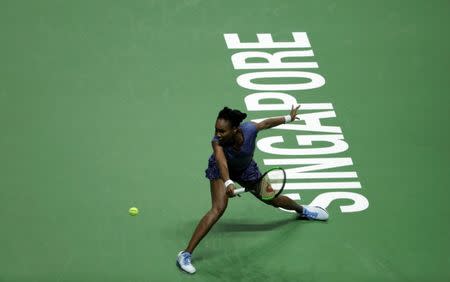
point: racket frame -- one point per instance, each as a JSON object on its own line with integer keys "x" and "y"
{"x": 239, "y": 191}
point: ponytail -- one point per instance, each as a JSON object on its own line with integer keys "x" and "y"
{"x": 235, "y": 117}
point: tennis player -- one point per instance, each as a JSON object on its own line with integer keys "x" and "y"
{"x": 232, "y": 160}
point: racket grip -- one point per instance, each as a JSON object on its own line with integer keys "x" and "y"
{"x": 239, "y": 191}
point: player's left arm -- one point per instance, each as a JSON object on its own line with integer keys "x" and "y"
{"x": 272, "y": 122}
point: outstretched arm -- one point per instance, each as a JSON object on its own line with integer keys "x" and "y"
{"x": 272, "y": 122}
{"x": 223, "y": 168}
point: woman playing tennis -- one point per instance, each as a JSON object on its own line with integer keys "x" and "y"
{"x": 232, "y": 160}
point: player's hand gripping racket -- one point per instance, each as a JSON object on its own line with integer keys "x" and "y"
{"x": 269, "y": 186}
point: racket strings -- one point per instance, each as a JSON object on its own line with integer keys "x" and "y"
{"x": 271, "y": 183}
{"x": 266, "y": 188}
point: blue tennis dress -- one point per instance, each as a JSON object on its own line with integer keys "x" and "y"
{"x": 241, "y": 166}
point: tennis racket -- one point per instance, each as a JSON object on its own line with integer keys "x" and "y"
{"x": 269, "y": 185}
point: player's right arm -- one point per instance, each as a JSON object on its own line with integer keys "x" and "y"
{"x": 223, "y": 167}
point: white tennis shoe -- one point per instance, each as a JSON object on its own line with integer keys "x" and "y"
{"x": 314, "y": 212}
{"x": 184, "y": 262}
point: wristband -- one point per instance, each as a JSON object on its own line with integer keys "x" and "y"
{"x": 287, "y": 119}
{"x": 228, "y": 182}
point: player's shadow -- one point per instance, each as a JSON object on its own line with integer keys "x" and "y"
{"x": 232, "y": 226}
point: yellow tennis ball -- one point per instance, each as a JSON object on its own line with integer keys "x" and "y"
{"x": 133, "y": 211}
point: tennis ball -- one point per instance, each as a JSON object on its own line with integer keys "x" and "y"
{"x": 133, "y": 211}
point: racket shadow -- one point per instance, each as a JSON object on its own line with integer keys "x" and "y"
{"x": 230, "y": 226}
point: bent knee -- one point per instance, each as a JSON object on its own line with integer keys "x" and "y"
{"x": 218, "y": 210}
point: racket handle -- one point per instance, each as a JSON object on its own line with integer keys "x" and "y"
{"x": 239, "y": 191}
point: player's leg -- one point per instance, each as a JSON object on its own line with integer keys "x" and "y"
{"x": 219, "y": 202}
{"x": 310, "y": 212}
{"x": 286, "y": 203}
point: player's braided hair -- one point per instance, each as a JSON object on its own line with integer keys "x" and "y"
{"x": 235, "y": 117}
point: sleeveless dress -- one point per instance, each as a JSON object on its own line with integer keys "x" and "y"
{"x": 241, "y": 166}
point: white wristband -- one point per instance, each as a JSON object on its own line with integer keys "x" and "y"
{"x": 287, "y": 119}
{"x": 228, "y": 182}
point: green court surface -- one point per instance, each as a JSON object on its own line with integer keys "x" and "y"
{"x": 105, "y": 105}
